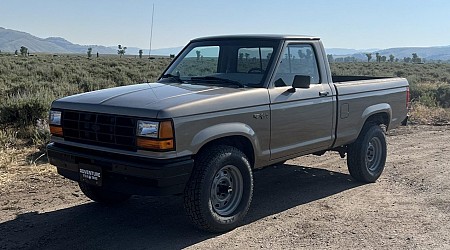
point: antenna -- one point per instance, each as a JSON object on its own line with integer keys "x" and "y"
{"x": 151, "y": 32}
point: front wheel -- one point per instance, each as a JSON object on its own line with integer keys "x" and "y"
{"x": 219, "y": 192}
{"x": 367, "y": 155}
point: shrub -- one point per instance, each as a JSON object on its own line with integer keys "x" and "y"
{"x": 29, "y": 85}
{"x": 421, "y": 114}
{"x": 443, "y": 95}
{"x": 24, "y": 109}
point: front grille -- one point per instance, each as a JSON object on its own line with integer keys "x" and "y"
{"x": 100, "y": 129}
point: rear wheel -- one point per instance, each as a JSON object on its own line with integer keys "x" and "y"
{"x": 367, "y": 155}
{"x": 101, "y": 195}
{"x": 219, "y": 192}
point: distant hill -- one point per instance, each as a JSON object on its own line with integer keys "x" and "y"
{"x": 76, "y": 48}
{"x": 428, "y": 53}
{"x": 343, "y": 51}
{"x": 11, "y": 40}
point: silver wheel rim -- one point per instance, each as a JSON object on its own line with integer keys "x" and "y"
{"x": 373, "y": 154}
{"x": 226, "y": 190}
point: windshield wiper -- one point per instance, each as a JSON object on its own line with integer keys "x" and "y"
{"x": 175, "y": 77}
{"x": 217, "y": 79}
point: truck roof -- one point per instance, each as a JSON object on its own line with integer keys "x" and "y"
{"x": 256, "y": 36}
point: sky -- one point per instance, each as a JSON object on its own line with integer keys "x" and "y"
{"x": 356, "y": 24}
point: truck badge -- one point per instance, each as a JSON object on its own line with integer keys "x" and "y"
{"x": 261, "y": 116}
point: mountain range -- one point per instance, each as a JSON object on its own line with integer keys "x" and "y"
{"x": 434, "y": 53}
{"x": 11, "y": 40}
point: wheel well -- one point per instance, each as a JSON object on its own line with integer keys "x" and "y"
{"x": 378, "y": 119}
{"x": 240, "y": 142}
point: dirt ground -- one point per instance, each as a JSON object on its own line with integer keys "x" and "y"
{"x": 310, "y": 202}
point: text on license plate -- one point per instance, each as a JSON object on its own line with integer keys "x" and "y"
{"x": 90, "y": 175}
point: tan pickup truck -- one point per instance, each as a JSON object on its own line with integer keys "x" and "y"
{"x": 225, "y": 106}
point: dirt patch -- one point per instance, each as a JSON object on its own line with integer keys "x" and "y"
{"x": 310, "y": 202}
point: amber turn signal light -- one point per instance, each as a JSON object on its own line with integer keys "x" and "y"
{"x": 165, "y": 130}
{"x": 155, "y": 144}
{"x": 56, "y": 130}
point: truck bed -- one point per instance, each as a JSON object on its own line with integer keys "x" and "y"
{"x": 344, "y": 79}
{"x": 361, "y": 96}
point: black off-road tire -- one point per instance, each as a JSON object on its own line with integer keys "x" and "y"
{"x": 205, "y": 187}
{"x": 367, "y": 155}
{"x": 103, "y": 196}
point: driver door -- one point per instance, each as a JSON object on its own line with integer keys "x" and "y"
{"x": 301, "y": 118}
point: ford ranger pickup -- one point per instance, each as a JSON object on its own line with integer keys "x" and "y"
{"x": 225, "y": 106}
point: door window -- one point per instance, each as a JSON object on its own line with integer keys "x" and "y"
{"x": 297, "y": 59}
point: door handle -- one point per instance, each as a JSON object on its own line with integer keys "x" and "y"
{"x": 323, "y": 93}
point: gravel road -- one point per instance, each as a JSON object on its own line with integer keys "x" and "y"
{"x": 309, "y": 202}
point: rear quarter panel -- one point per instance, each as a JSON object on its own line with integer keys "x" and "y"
{"x": 358, "y": 100}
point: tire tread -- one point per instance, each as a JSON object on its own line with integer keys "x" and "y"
{"x": 193, "y": 190}
{"x": 355, "y": 154}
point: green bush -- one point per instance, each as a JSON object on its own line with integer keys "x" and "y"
{"x": 443, "y": 95}
{"x": 29, "y": 85}
{"x": 24, "y": 110}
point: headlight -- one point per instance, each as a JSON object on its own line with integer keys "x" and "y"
{"x": 55, "y": 118}
{"x": 157, "y": 136}
{"x": 147, "y": 129}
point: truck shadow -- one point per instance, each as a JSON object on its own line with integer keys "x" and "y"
{"x": 159, "y": 222}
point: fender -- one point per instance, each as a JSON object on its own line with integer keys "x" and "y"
{"x": 224, "y": 130}
{"x": 376, "y": 109}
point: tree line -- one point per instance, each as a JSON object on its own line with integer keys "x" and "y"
{"x": 121, "y": 51}
{"x": 23, "y": 51}
{"x": 378, "y": 58}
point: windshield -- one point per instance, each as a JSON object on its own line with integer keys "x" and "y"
{"x": 239, "y": 63}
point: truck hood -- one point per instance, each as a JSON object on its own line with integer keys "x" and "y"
{"x": 158, "y": 100}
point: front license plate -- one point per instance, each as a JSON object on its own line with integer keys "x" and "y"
{"x": 91, "y": 174}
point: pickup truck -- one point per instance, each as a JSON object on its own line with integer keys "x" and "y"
{"x": 225, "y": 106}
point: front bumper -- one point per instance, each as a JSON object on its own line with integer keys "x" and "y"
{"x": 123, "y": 173}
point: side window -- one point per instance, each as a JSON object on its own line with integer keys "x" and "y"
{"x": 253, "y": 60}
{"x": 297, "y": 59}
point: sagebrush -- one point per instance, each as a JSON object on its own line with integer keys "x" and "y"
{"x": 28, "y": 85}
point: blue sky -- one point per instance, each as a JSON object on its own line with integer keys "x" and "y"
{"x": 357, "y": 24}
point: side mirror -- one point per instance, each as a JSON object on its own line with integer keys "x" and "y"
{"x": 301, "y": 81}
